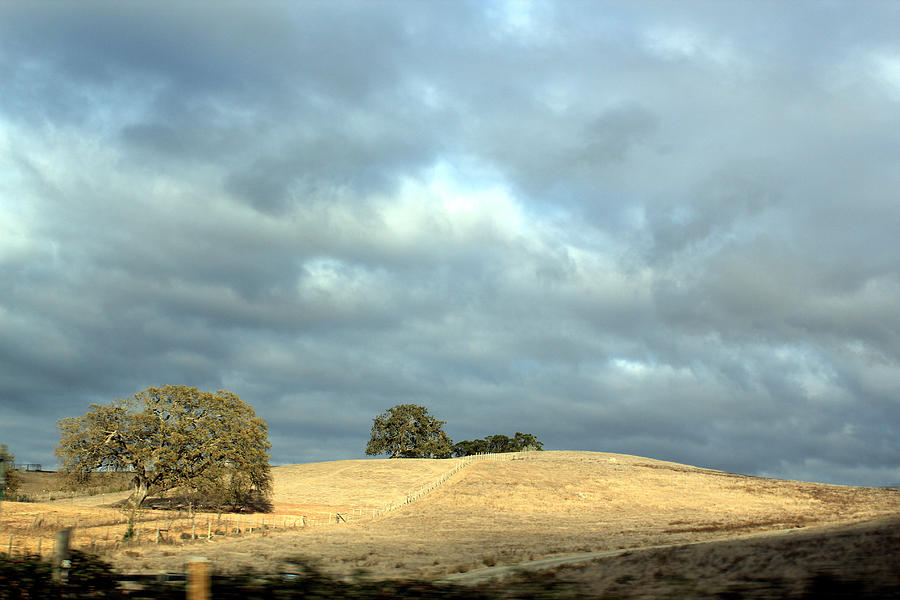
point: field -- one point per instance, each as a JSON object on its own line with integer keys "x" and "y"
{"x": 493, "y": 513}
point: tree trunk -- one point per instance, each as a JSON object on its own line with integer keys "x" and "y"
{"x": 141, "y": 490}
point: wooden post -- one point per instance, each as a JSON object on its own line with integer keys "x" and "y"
{"x": 9, "y": 548}
{"x": 40, "y": 543}
{"x": 198, "y": 579}
{"x": 61, "y": 563}
{"x": 208, "y": 530}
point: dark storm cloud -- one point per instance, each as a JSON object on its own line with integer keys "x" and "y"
{"x": 669, "y": 232}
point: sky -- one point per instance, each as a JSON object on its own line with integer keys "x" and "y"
{"x": 652, "y": 228}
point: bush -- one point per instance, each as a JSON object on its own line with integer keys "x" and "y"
{"x": 30, "y": 577}
{"x": 10, "y": 476}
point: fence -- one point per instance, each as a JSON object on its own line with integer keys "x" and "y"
{"x": 419, "y": 492}
{"x": 161, "y": 527}
{"x": 70, "y": 495}
{"x": 156, "y": 529}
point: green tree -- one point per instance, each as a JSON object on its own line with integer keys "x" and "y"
{"x": 210, "y": 445}
{"x": 409, "y": 431}
{"x": 469, "y": 447}
{"x": 9, "y": 477}
{"x": 526, "y": 441}
{"x": 498, "y": 443}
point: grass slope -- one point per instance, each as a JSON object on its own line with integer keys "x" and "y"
{"x": 351, "y": 484}
{"x": 506, "y": 512}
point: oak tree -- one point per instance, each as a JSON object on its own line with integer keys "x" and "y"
{"x": 9, "y": 478}
{"x": 409, "y": 431}
{"x": 208, "y": 445}
{"x": 521, "y": 442}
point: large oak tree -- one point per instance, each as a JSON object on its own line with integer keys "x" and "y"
{"x": 409, "y": 431}
{"x": 210, "y": 445}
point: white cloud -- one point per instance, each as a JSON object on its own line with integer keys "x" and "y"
{"x": 524, "y": 21}
{"x": 446, "y": 208}
{"x": 682, "y": 43}
{"x": 886, "y": 67}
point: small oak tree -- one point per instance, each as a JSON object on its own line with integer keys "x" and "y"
{"x": 521, "y": 442}
{"x": 408, "y": 431}
{"x": 9, "y": 478}
{"x": 211, "y": 446}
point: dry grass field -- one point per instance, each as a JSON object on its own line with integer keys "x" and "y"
{"x": 505, "y": 512}
{"x": 493, "y": 513}
{"x": 857, "y": 560}
{"x": 309, "y": 495}
{"x": 48, "y": 485}
{"x": 343, "y": 486}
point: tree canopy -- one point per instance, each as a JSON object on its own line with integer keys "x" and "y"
{"x": 9, "y": 478}
{"x": 498, "y": 443}
{"x": 409, "y": 431}
{"x": 211, "y": 446}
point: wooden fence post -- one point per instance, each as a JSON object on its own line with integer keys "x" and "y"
{"x": 198, "y": 579}
{"x": 61, "y": 563}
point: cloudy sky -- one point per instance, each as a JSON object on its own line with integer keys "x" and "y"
{"x": 664, "y": 229}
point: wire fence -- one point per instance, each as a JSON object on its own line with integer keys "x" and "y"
{"x": 462, "y": 463}
{"x": 178, "y": 527}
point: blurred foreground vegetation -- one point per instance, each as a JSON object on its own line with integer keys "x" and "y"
{"x": 90, "y": 577}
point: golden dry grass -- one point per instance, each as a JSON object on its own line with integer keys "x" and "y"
{"x": 506, "y": 512}
{"x": 307, "y": 493}
{"x": 857, "y": 560}
{"x": 343, "y": 486}
{"x": 38, "y": 485}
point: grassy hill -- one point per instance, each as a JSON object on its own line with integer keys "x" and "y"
{"x": 546, "y": 504}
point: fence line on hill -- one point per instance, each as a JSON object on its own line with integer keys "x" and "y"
{"x": 465, "y": 461}
{"x": 178, "y": 528}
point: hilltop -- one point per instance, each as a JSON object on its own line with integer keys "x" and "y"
{"x": 542, "y": 504}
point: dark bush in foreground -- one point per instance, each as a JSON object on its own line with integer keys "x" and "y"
{"x": 31, "y": 578}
